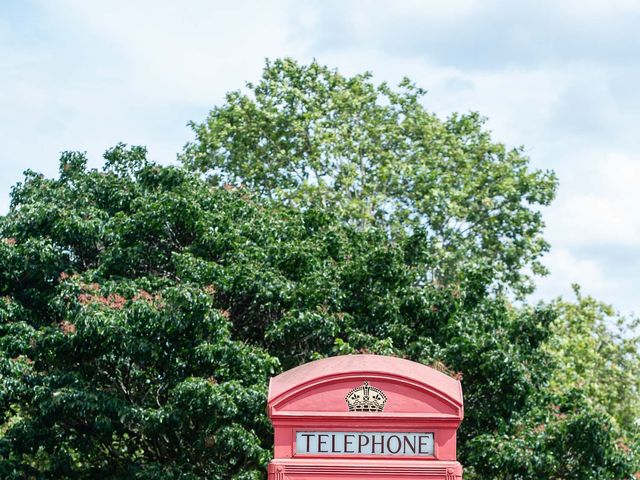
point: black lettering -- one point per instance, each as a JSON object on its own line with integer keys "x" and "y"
{"x": 399, "y": 444}
{"x": 374, "y": 443}
{"x": 406, "y": 442}
{"x": 348, "y": 443}
{"x": 308, "y": 437}
{"x": 321, "y": 442}
{"x": 333, "y": 444}
{"x": 423, "y": 441}
{"x": 361, "y": 444}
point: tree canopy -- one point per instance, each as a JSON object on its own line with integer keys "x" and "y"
{"x": 306, "y": 134}
{"x": 596, "y": 348}
{"x": 143, "y": 309}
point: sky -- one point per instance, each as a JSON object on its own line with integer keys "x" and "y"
{"x": 557, "y": 77}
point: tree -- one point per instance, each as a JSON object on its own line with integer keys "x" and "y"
{"x": 306, "y": 135}
{"x": 597, "y": 351}
{"x": 563, "y": 436}
{"x": 110, "y": 367}
{"x": 142, "y": 311}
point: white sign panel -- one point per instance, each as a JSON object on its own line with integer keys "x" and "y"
{"x": 365, "y": 443}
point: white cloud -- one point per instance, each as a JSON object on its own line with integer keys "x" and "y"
{"x": 191, "y": 51}
{"x": 567, "y": 269}
{"x": 599, "y": 7}
{"x": 85, "y": 75}
{"x": 600, "y": 204}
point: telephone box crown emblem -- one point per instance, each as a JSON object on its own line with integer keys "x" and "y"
{"x": 366, "y": 399}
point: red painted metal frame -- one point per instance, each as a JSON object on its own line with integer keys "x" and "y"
{"x": 312, "y": 398}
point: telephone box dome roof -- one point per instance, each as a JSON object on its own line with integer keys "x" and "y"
{"x": 333, "y": 367}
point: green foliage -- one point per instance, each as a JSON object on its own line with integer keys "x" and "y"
{"x": 110, "y": 366}
{"x": 565, "y": 437}
{"x": 143, "y": 311}
{"x": 597, "y": 351}
{"x": 307, "y": 135}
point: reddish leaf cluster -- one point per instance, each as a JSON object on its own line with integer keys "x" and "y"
{"x": 67, "y": 327}
{"x": 143, "y": 295}
{"x": 150, "y": 299}
{"x": 441, "y": 367}
{"x": 23, "y": 359}
{"x": 540, "y": 428}
{"x": 622, "y": 445}
{"x": 113, "y": 300}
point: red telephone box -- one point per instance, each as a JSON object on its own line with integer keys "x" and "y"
{"x": 364, "y": 416}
